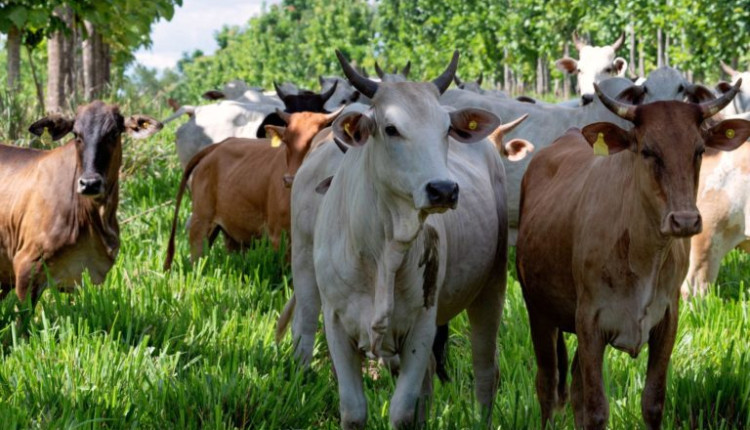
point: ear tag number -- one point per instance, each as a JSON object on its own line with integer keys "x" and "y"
{"x": 729, "y": 133}
{"x": 600, "y": 147}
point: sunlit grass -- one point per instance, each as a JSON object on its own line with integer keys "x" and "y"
{"x": 194, "y": 348}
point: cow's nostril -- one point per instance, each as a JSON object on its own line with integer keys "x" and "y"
{"x": 442, "y": 193}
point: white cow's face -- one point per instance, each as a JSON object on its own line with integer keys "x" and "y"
{"x": 597, "y": 63}
{"x": 743, "y": 97}
{"x": 407, "y": 133}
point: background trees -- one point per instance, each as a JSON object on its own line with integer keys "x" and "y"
{"x": 514, "y": 42}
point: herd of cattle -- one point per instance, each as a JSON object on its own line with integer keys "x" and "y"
{"x": 402, "y": 199}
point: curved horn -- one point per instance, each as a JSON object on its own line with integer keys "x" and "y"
{"x": 378, "y": 70}
{"x": 333, "y": 115}
{"x": 362, "y": 84}
{"x": 481, "y": 78}
{"x": 279, "y": 91}
{"x": 618, "y": 42}
{"x": 457, "y": 80}
{"x": 728, "y": 70}
{"x": 285, "y": 116}
{"x": 710, "y": 108}
{"x": 577, "y": 41}
{"x": 507, "y": 128}
{"x": 444, "y": 81}
{"x": 327, "y": 95}
{"x": 623, "y": 110}
{"x": 406, "y": 69}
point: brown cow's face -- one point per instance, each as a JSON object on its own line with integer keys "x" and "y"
{"x": 97, "y": 128}
{"x": 297, "y": 137}
{"x": 668, "y": 145}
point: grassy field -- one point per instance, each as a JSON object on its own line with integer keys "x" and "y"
{"x": 194, "y": 348}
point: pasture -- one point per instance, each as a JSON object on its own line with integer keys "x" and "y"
{"x": 194, "y": 348}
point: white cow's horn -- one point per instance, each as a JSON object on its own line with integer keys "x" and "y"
{"x": 362, "y": 84}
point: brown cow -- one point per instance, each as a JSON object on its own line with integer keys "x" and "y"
{"x": 603, "y": 245}
{"x": 241, "y": 186}
{"x": 58, "y": 213}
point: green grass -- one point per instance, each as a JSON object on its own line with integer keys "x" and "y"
{"x": 194, "y": 348}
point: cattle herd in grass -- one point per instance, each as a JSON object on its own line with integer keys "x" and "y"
{"x": 402, "y": 198}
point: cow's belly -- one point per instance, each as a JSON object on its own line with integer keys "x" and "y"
{"x": 67, "y": 266}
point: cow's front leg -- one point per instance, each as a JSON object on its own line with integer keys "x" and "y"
{"x": 484, "y": 316}
{"x": 307, "y": 308}
{"x": 412, "y": 389}
{"x": 29, "y": 287}
{"x": 660, "y": 345}
{"x": 348, "y": 364}
{"x": 590, "y": 357}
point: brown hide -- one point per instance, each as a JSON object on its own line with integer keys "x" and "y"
{"x": 58, "y": 216}
{"x": 603, "y": 248}
{"x": 241, "y": 187}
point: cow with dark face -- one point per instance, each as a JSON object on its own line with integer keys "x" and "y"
{"x": 58, "y": 216}
{"x": 603, "y": 245}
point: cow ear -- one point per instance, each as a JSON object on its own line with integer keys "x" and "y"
{"x": 471, "y": 125}
{"x": 728, "y": 135}
{"x": 723, "y": 86}
{"x": 353, "y": 128}
{"x": 567, "y": 65}
{"x": 517, "y": 149}
{"x": 276, "y": 134}
{"x": 606, "y": 138}
{"x": 141, "y": 126}
{"x": 56, "y": 125}
{"x": 213, "y": 95}
{"x": 699, "y": 94}
{"x": 620, "y": 65}
{"x": 632, "y": 95}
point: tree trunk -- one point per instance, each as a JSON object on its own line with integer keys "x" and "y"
{"x": 631, "y": 65}
{"x": 566, "y": 78}
{"x": 55, "y": 78}
{"x": 14, "y": 57}
{"x": 641, "y": 60}
{"x": 506, "y": 72}
{"x": 89, "y": 62}
{"x": 666, "y": 51}
{"x": 37, "y": 83}
{"x": 69, "y": 48}
{"x": 539, "y": 75}
{"x": 659, "y": 49}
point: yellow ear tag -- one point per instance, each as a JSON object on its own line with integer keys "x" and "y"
{"x": 600, "y": 147}
{"x": 275, "y": 141}
{"x": 347, "y": 130}
{"x": 729, "y": 133}
{"x": 472, "y": 125}
{"x": 46, "y": 137}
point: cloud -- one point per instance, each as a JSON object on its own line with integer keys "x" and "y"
{"x": 192, "y": 27}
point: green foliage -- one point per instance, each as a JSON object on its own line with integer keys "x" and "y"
{"x": 294, "y": 41}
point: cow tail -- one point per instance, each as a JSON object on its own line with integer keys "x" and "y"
{"x": 183, "y": 184}
{"x": 440, "y": 351}
{"x": 284, "y": 318}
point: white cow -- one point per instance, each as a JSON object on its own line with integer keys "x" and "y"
{"x": 344, "y": 94}
{"x": 741, "y": 102}
{"x": 387, "y": 266}
{"x": 237, "y": 90}
{"x": 476, "y": 87}
{"x": 595, "y": 63}
{"x": 396, "y": 76}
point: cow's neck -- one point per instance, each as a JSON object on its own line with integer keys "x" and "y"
{"x": 384, "y": 226}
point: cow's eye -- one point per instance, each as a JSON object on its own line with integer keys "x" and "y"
{"x": 608, "y": 70}
{"x": 392, "y": 131}
{"x": 680, "y": 88}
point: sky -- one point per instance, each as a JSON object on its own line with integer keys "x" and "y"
{"x": 192, "y": 27}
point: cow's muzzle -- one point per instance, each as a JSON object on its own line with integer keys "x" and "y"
{"x": 682, "y": 224}
{"x": 442, "y": 194}
{"x": 90, "y": 185}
